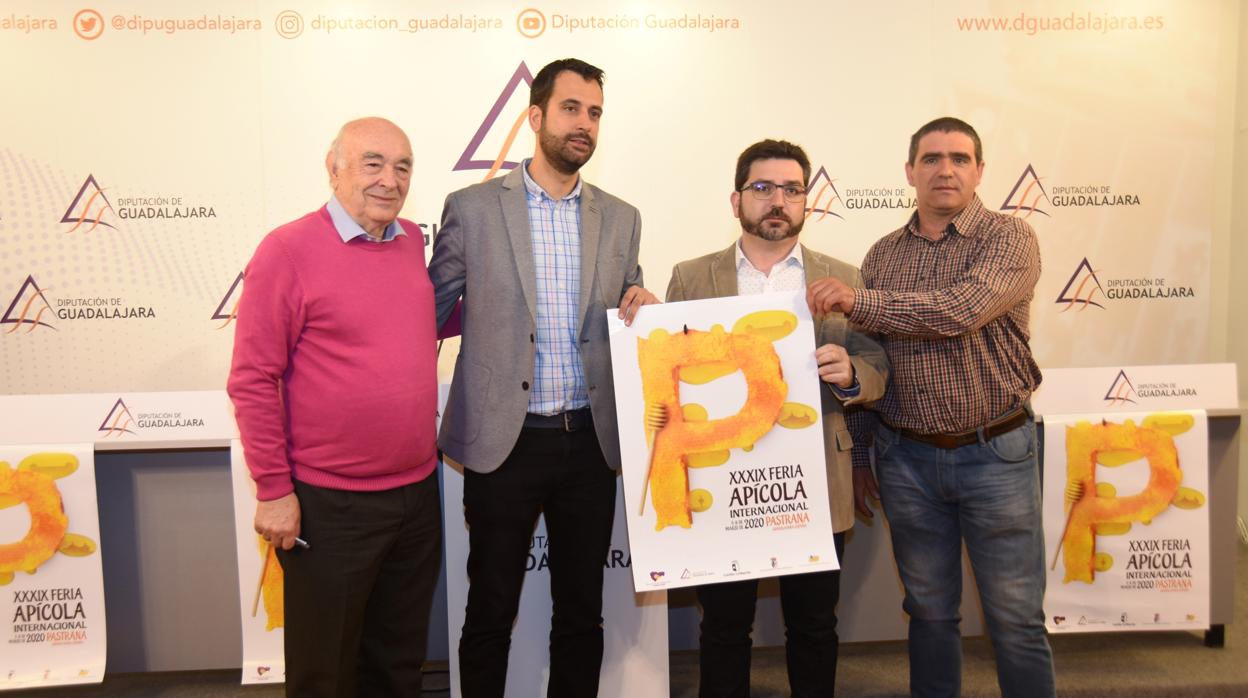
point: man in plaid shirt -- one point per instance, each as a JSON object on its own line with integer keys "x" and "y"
{"x": 955, "y": 449}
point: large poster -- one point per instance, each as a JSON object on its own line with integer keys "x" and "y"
{"x": 1125, "y": 520}
{"x": 721, "y": 441}
{"x": 259, "y": 584}
{"x": 51, "y": 579}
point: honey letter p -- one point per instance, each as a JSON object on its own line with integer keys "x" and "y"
{"x": 662, "y": 357}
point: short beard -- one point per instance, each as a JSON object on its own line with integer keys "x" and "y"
{"x": 757, "y": 227}
{"x": 553, "y": 146}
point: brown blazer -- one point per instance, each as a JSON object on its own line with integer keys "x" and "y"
{"x": 715, "y": 276}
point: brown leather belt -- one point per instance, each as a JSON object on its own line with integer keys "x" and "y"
{"x": 1004, "y": 425}
{"x": 572, "y": 420}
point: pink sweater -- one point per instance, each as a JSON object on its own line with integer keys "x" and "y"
{"x": 334, "y": 378}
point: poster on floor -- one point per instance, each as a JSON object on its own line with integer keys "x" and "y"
{"x": 635, "y": 654}
{"x": 51, "y": 579}
{"x": 1126, "y": 521}
{"x": 721, "y": 441}
{"x": 259, "y": 584}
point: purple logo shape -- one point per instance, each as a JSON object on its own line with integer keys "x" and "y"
{"x": 1028, "y": 199}
{"x": 117, "y": 421}
{"x": 228, "y": 301}
{"x": 1081, "y": 289}
{"x": 466, "y": 160}
{"x": 93, "y": 209}
{"x": 27, "y": 308}
{"x": 1121, "y": 390}
{"x": 823, "y": 198}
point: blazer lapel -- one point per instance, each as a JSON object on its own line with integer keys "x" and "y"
{"x": 724, "y": 273}
{"x": 515, "y": 207}
{"x": 816, "y": 269}
{"x": 591, "y": 234}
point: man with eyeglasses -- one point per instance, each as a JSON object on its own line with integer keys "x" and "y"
{"x": 769, "y": 200}
{"x": 950, "y": 293}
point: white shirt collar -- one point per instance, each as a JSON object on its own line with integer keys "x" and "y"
{"x": 794, "y": 258}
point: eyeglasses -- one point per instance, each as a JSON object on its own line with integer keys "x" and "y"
{"x": 763, "y": 189}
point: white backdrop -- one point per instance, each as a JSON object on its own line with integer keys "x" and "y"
{"x": 185, "y": 109}
{"x": 204, "y": 125}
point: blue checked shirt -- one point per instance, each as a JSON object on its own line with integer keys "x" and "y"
{"x": 555, "y": 225}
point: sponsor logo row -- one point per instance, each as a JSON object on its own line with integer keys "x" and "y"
{"x": 33, "y": 307}
{"x": 89, "y": 24}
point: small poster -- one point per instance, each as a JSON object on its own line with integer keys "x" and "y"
{"x": 259, "y": 584}
{"x": 721, "y": 439}
{"x": 51, "y": 578}
{"x": 1126, "y": 521}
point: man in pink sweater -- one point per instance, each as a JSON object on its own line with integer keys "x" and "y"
{"x": 335, "y": 391}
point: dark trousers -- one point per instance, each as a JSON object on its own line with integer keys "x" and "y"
{"x": 808, "y": 602}
{"x": 563, "y": 475}
{"x": 358, "y": 599}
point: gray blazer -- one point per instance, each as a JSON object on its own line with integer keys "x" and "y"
{"x": 715, "y": 276}
{"x": 484, "y": 254}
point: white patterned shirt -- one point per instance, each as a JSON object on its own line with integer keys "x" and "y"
{"x": 786, "y": 275}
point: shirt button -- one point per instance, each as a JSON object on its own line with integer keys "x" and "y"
{"x": 525, "y": 385}
{"x": 531, "y": 339}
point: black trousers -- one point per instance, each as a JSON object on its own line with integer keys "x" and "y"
{"x": 358, "y": 599}
{"x": 808, "y": 602}
{"x": 563, "y": 475}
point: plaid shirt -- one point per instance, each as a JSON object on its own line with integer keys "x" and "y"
{"x": 558, "y": 374}
{"x": 953, "y": 316}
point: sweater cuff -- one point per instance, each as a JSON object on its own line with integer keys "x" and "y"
{"x": 270, "y": 487}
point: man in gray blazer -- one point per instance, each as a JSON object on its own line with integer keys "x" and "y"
{"x": 537, "y": 257}
{"x": 769, "y": 199}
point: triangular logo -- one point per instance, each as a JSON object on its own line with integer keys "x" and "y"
{"x": 90, "y": 205}
{"x": 1082, "y": 288}
{"x": 118, "y": 420}
{"x": 468, "y": 161}
{"x": 1026, "y": 196}
{"x": 28, "y": 307}
{"x": 227, "y": 309}
{"x": 1121, "y": 390}
{"x": 823, "y": 196}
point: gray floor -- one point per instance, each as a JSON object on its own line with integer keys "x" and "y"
{"x": 1140, "y": 664}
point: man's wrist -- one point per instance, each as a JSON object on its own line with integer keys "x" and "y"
{"x": 853, "y": 391}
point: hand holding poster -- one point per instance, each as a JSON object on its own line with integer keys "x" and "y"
{"x": 721, "y": 441}
{"x": 1125, "y": 520}
{"x": 54, "y": 629}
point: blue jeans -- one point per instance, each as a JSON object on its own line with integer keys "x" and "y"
{"x": 988, "y": 494}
